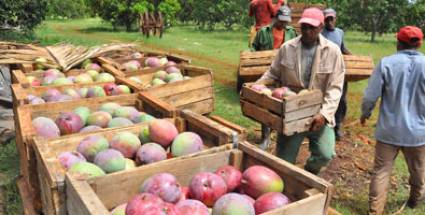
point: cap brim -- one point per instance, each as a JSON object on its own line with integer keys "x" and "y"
{"x": 310, "y": 21}
{"x": 330, "y": 15}
{"x": 284, "y": 18}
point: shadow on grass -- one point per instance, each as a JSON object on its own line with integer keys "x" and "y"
{"x": 9, "y": 172}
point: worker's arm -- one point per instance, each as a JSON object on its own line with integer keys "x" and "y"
{"x": 372, "y": 93}
{"x": 334, "y": 87}
{"x": 273, "y": 8}
{"x": 251, "y": 8}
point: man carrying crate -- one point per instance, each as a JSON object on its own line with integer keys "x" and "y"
{"x": 336, "y": 35}
{"x": 311, "y": 62}
{"x": 399, "y": 80}
{"x": 263, "y": 11}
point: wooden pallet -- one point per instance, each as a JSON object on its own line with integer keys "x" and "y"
{"x": 52, "y": 174}
{"x": 196, "y": 94}
{"x": 253, "y": 65}
{"x": 20, "y": 94}
{"x": 288, "y": 116}
{"x": 310, "y": 194}
{"x": 20, "y": 75}
{"x": 25, "y": 132}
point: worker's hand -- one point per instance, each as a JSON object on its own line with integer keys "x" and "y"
{"x": 363, "y": 120}
{"x": 318, "y": 122}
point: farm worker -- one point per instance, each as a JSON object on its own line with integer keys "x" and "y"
{"x": 263, "y": 11}
{"x": 336, "y": 35}
{"x": 399, "y": 80}
{"x": 310, "y": 62}
{"x": 274, "y": 35}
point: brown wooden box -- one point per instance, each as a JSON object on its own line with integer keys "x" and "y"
{"x": 19, "y": 76}
{"x": 25, "y": 132}
{"x": 288, "y": 116}
{"x": 253, "y": 65}
{"x": 119, "y": 60}
{"x": 358, "y": 67}
{"x": 310, "y": 194}
{"x": 20, "y": 93}
{"x": 52, "y": 174}
{"x": 196, "y": 94}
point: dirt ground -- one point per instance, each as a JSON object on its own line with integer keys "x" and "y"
{"x": 349, "y": 171}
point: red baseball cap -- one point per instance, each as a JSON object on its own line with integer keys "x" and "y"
{"x": 312, "y": 16}
{"x": 411, "y": 35}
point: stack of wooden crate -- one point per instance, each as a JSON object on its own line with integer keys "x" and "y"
{"x": 46, "y": 187}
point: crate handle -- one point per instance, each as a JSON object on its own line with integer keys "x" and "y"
{"x": 302, "y": 102}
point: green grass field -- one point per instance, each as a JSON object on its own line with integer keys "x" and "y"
{"x": 218, "y": 50}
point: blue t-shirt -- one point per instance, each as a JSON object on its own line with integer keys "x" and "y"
{"x": 399, "y": 80}
{"x": 336, "y": 36}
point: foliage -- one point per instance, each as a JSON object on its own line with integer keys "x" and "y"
{"x": 64, "y": 9}
{"x": 25, "y": 14}
{"x": 169, "y": 8}
{"x": 121, "y": 13}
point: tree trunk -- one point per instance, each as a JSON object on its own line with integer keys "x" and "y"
{"x": 373, "y": 35}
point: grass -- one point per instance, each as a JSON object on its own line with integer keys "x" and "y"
{"x": 218, "y": 50}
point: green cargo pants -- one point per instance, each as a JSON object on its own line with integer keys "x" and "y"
{"x": 322, "y": 148}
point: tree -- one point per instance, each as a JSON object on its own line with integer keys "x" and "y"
{"x": 67, "y": 8}
{"x": 26, "y": 14}
{"x": 169, "y": 8}
{"x": 119, "y": 12}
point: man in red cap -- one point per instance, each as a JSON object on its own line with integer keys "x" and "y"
{"x": 399, "y": 80}
{"x": 310, "y": 62}
{"x": 264, "y": 11}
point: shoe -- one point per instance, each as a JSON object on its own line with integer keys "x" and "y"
{"x": 264, "y": 145}
{"x": 339, "y": 135}
{"x": 412, "y": 203}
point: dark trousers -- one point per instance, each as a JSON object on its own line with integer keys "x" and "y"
{"x": 342, "y": 108}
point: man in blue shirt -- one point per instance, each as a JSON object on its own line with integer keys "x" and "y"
{"x": 336, "y": 35}
{"x": 399, "y": 80}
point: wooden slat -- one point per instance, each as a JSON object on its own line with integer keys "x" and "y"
{"x": 78, "y": 192}
{"x": 251, "y": 71}
{"x": 261, "y": 115}
{"x": 181, "y": 86}
{"x": 353, "y": 72}
{"x": 308, "y": 99}
{"x": 258, "y": 54}
{"x": 358, "y": 65}
{"x": 26, "y": 197}
{"x": 297, "y": 126}
{"x": 201, "y": 107}
{"x": 302, "y": 113}
{"x": 256, "y": 62}
{"x": 19, "y": 77}
{"x": 190, "y": 96}
{"x": 357, "y": 58}
{"x": 158, "y": 105}
{"x": 261, "y": 100}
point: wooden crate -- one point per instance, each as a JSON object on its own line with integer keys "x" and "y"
{"x": 310, "y": 194}
{"x": 297, "y": 10}
{"x": 358, "y": 67}
{"x": 120, "y": 59}
{"x": 20, "y": 93}
{"x": 253, "y": 65}
{"x": 196, "y": 94}
{"x": 20, "y": 75}
{"x": 288, "y": 116}
{"x": 52, "y": 174}
{"x": 25, "y": 132}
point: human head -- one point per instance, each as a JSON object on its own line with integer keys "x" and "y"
{"x": 283, "y": 17}
{"x": 311, "y": 22}
{"x": 409, "y": 37}
{"x": 330, "y": 18}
